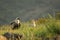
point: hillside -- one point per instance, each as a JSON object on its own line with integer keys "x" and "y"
{"x": 43, "y": 31}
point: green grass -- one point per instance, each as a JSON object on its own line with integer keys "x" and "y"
{"x": 48, "y": 29}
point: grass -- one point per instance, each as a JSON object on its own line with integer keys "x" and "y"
{"x": 41, "y": 31}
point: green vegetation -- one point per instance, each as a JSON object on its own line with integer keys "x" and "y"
{"x": 43, "y": 30}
